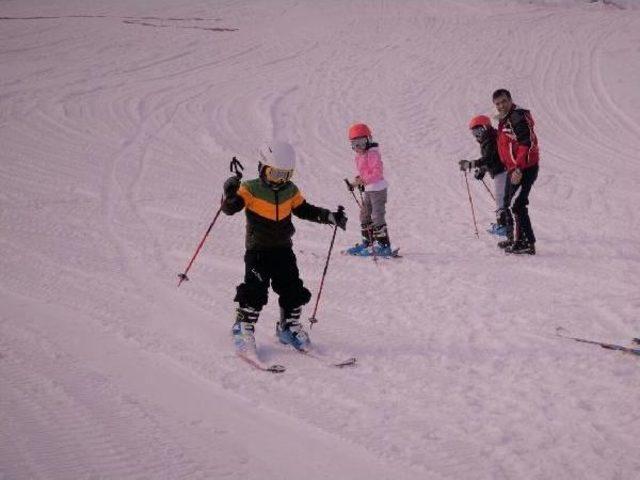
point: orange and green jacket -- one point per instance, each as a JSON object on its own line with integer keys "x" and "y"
{"x": 269, "y": 212}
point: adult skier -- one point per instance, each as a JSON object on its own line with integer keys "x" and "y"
{"x": 518, "y": 150}
{"x": 269, "y": 201}
{"x": 489, "y": 161}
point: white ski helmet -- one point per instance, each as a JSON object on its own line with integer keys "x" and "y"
{"x": 278, "y": 161}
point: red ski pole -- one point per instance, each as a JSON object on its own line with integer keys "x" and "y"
{"x": 183, "y": 276}
{"x": 313, "y": 318}
{"x": 473, "y": 212}
{"x": 234, "y": 166}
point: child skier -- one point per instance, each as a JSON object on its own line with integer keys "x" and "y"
{"x": 375, "y": 234}
{"x": 489, "y": 161}
{"x": 269, "y": 201}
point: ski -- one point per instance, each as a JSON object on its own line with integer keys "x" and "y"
{"x": 259, "y": 365}
{"x": 349, "y": 362}
{"x": 394, "y": 254}
{"x": 244, "y": 344}
{"x": 324, "y": 359}
{"x": 608, "y": 346}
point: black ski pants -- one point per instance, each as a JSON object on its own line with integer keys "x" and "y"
{"x": 275, "y": 267}
{"x": 517, "y": 197}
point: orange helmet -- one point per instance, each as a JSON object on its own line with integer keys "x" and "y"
{"x": 359, "y": 130}
{"x": 479, "y": 121}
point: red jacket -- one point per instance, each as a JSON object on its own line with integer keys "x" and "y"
{"x": 517, "y": 142}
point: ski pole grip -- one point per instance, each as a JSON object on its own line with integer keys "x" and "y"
{"x": 349, "y": 185}
{"x": 236, "y": 167}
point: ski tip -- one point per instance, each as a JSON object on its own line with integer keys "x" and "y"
{"x": 257, "y": 364}
{"x": 349, "y": 362}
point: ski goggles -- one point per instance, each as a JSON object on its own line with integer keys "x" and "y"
{"x": 359, "y": 143}
{"x": 277, "y": 175}
{"x": 479, "y": 132}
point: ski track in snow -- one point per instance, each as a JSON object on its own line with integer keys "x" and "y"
{"x": 116, "y": 140}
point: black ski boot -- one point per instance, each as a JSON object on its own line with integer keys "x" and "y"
{"x": 504, "y": 244}
{"x": 521, "y": 247}
{"x": 381, "y": 236}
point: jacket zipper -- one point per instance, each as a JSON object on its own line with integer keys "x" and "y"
{"x": 277, "y": 217}
{"x": 507, "y": 123}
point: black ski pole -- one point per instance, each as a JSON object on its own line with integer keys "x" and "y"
{"x": 360, "y": 203}
{"x": 313, "y": 318}
{"x": 234, "y": 166}
{"x": 361, "y": 193}
{"x": 473, "y": 212}
{"x": 351, "y": 188}
{"x": 488, "y": 190}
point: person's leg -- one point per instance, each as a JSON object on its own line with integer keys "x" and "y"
{"x": 365, "y": 211}
{"x": 286, "y": 282}
{"x": 509, "y": 191}
{"x": 366, "y": 227}
{"x": 378, "y": 212}
{"x": 251, "y": 296}
{"x": 520, "y": 205}
{"x": 499, "y": 182}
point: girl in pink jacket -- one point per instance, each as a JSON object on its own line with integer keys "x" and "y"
{"x": 375, "y": 234}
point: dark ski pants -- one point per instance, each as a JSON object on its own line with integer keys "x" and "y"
{"x": 278, "y": 268}
{"x": 517, "y": 197}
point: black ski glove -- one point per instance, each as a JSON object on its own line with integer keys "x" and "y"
{"x": 464, "y": 165}
{"x": 479, "y": 173}
{"x": 338, "y": 218}
{"x": 231, "y": 186}
{"x": 350, "y": 186}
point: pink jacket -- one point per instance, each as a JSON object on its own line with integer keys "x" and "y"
{"x": 369, "y": 165}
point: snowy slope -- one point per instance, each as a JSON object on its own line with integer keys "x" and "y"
{"x": 117, "y": 123}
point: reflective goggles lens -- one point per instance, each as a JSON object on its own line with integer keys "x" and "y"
{"x": 479, "y": 132}
{"x": 277, "y": 175}
{"x": 359, "y": 143}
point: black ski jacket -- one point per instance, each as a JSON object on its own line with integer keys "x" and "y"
{"x": 489, "y": 151}
{"x": 269, "y": 210}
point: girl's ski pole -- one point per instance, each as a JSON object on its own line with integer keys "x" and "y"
{"x": 351, "y": 187}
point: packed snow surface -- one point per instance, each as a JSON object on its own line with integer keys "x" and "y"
{"x": 117, "y": 124}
